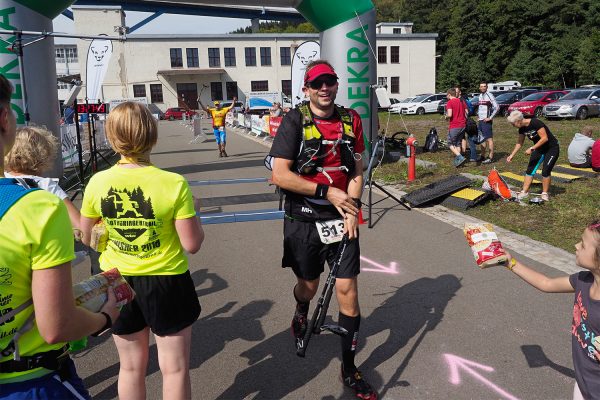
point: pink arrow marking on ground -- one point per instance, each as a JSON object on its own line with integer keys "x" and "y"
{"x": 456, "y": 363}
{"x": 379, "y": 267}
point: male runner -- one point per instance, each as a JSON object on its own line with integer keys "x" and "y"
{"x": 218, "y": 114}
{"x": 317, "y": 162}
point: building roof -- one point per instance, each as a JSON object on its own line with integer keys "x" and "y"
{"x": 191, "y": 71}
{"x": 267, "y": 36}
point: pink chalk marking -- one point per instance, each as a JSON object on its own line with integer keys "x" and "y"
{"x": 456, "y": 363}
{"x": 379, "y": 267}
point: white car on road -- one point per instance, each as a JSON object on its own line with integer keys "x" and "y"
{"x": 424, "y": 103}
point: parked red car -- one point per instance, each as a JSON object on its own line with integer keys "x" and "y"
{"x": 533, "y": 104}
{"x": 177, "y": 113}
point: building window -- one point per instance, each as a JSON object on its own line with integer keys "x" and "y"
{"x": 395, "y": 54}
{"x": 71, "y": 54}
{"x": 214, "y": 58}
{"x": 229, "y": 53}
{"x": 395, "y": 83}
{"x": 176, "y": 58}
{"x": 382, "y": 81}
{"x": 286, "y": 87}
{"x": 60, "y": 55}
{"x": 61, "y": 84}
{"x": 139, "y": 90}
{"x": 259, "y": 86}
{"x": 286, "y": 55}
{"x": 250, "y": 56}
{"x": 156, "y": 95}
{"x": 232, "y": 89}
{"x": 192, "y": 58}
{"x": 397, "y": 31}
{"x": 382, "y": 54}
{"x": 216, "y": 90}
{"x": 265, "y": 56}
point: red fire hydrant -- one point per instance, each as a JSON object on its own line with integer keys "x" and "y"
{"x": 411, "y": 153}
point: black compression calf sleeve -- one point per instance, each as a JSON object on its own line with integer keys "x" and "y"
{"x": 349, "y": 342}
{"x": 301, "y": 306}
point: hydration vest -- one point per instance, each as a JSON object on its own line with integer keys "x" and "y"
{"x": 309, "y": 160}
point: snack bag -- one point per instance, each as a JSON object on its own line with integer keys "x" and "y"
{"x": 486, "y": 247}
{"x": 91, "y": 293}
{"x": 99, "y": 237}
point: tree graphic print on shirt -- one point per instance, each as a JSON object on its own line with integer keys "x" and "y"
{"x": 130, "y": 216}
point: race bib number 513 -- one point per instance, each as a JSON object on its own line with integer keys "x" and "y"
{"x": 330, "y": 231}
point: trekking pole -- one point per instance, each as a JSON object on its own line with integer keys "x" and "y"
{"x": 315, "y": 325}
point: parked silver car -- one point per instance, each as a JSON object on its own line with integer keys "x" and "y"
{"x": 580, "y": 104}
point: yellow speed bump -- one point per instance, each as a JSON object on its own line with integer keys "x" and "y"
{"x": 469, "y": 194}
{"x": 515, "y": 177}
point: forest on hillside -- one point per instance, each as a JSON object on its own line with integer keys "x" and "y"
{"x": 553, "y": 43}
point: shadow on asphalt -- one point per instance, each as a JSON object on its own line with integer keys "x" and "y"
{"x": 413, "y": 309}
{"x": 190, "y": 169}
{"x": 534, "y": 354}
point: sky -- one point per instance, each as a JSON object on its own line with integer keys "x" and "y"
{"x": 167, "y": 23}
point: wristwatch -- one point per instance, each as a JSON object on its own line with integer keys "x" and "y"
{"x": 106, "y": 326}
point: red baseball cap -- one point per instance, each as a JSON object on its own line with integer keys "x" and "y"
{"x": 317, "y": 71}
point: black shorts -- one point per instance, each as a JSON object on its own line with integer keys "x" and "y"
{"x": 546, "y": 160}
{"x": 304, "y": 252}
{"x": 165, "y": 303}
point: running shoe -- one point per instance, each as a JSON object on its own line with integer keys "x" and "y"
{"x": 544, "y": 196}
{"x": 487, "y": 161}
{"x": 522, "y": 195}
{"x": 299, "y": 325}
{"x": 459, "y": 160}
{"x": 356, "y": 382}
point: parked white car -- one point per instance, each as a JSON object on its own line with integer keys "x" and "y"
{"x": 425, "y": 103}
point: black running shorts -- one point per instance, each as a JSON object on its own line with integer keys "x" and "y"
{"x": 165, "y": 303}
{"x": 545, "y": 160}
{"x": 304, "y": 252}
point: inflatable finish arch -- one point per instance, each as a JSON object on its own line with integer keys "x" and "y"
{"x": 347, "y": 30}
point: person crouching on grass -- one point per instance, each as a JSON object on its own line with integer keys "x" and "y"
{"x": 151, "y": 220}
{"x": 585, "y": 327}
{"x": 544, "y": 152}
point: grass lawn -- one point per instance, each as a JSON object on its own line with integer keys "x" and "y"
{"x": 559, "y": 222}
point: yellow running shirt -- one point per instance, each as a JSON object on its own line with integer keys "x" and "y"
{"x": 35, "y": 234}
{"x": 218, "y": 116}
{"x": 139, "y": 207}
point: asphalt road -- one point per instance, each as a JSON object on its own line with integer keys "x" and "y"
{"x": 434, "y": 325}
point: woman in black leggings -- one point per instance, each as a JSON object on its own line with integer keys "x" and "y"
{"x": 544, "y": 152}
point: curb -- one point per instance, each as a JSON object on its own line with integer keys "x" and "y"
{"x": 541, "y": 252}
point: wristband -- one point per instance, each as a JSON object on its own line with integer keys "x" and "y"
{"x": 321, "y": 192}
{"x": 511, "y": 264}
{"x": 357, "y": 201}
{"x": 106, "y": 326}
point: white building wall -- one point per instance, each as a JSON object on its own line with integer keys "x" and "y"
{"x": 141, "y": 59}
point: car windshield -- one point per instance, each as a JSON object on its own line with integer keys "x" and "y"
{"x": 534, "y": 97}
{"x": 419, "y": 99}
{"x": 505, "y": 97}
{"x": 577, "y": 95}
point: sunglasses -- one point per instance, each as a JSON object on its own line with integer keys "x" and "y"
{"x": 318, "y": 83}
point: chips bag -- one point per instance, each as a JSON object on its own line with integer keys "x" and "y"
{"x": 92, "y": 292}
{"x": 484, "y": 243}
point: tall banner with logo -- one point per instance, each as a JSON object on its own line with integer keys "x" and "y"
{"x": 305, "y": 53}
{"x": 39, "y": 78}
{"x": 98, "y": 58}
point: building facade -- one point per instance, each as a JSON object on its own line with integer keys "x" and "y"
{"x": 174, "y": 70}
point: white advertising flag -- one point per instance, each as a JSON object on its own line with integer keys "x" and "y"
{"x": 305, "y": 53}
{"x": 97, "y": 63}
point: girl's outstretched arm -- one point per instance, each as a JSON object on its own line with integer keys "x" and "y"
{"x": 537, "y": 279}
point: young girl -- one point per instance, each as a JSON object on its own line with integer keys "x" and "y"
{"x": 585, "y": 327}
{"x": 34, "y": 151}
{"x": 150, "y": 217}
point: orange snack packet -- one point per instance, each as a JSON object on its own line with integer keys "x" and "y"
{"x": 92, "y": 292}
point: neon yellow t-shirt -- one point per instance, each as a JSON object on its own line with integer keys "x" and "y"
{"x": 35, "y": 234}
{"x": 218, "y": 116}
{"x": 139, "y": 207}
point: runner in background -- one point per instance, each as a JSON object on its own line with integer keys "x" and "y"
{"x": 218, "y": 114}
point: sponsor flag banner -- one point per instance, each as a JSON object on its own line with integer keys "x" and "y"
{"x": 305, "y": 53}
{"x": 98, "y": 58}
